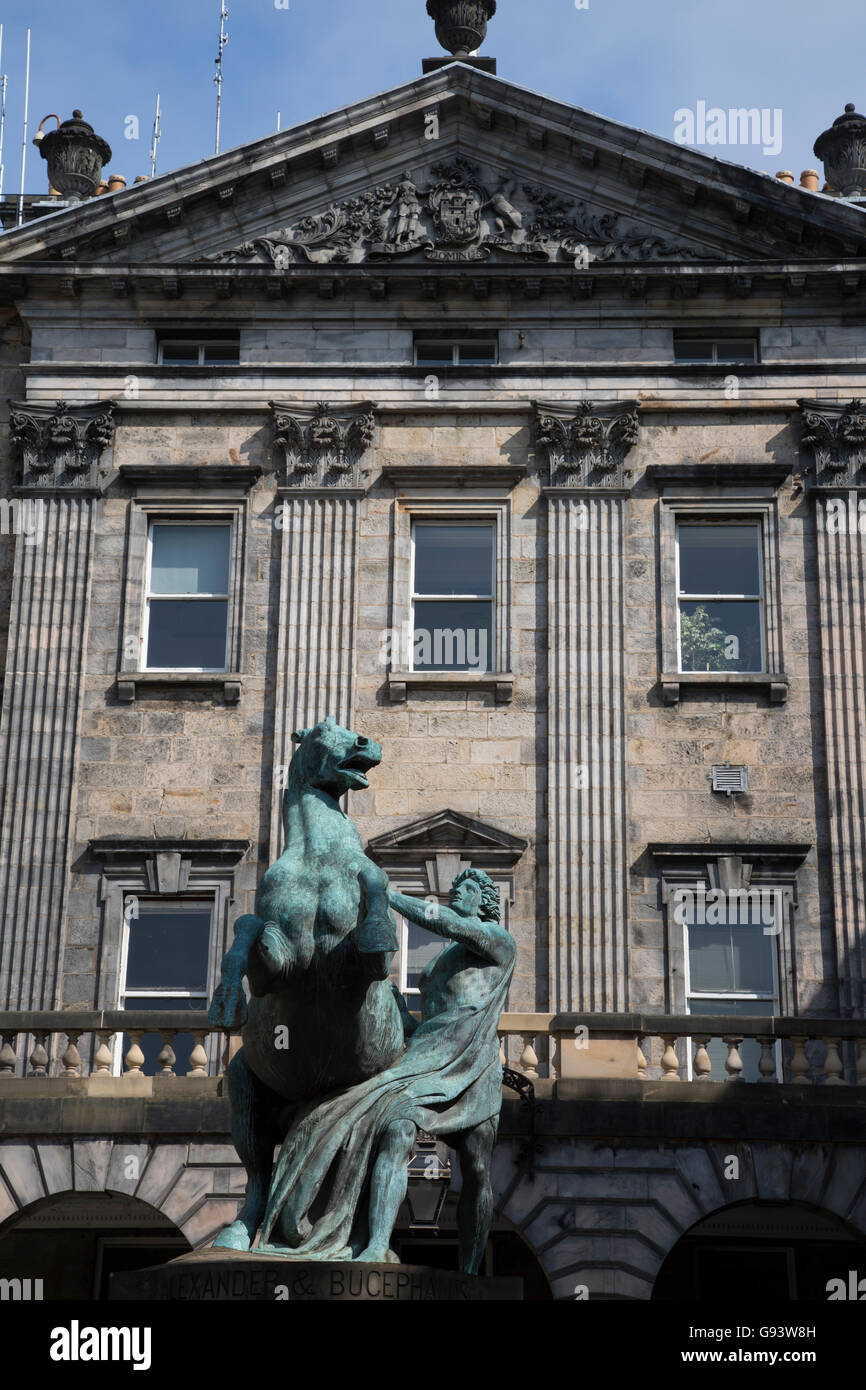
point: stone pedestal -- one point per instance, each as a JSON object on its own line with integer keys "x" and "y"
{"x": 228, "y": 1276}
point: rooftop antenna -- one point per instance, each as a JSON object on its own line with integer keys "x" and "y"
{"x": 224, "y": 38}
{"x": 3, "y": 81}
{"x": 157, "y": 132}
{"x": 20, "y": 219}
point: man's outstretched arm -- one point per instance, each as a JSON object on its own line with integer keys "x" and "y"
{"x": 484, "y": 938}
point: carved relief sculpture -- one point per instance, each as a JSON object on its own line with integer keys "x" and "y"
{"x": 463, "y": 215}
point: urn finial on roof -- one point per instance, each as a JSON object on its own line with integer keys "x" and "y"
{"x": 842, "y": 149}
{"x": 461, "y": 27}
{"x": 75, "y": 155}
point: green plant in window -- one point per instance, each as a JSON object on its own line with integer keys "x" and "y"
{"x": 702, "y": 646}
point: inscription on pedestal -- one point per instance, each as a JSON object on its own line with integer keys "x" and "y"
{"x": 223, "y": 1276}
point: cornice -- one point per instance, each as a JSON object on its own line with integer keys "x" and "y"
{"x": 453, "y": 476}
{"x": 764, "y": 473}
{"x": 162, "y": 286}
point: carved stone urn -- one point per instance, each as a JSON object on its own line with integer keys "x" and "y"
{"x": 75, "y": 155}
{"x": 461, "y": 25}
{"x": 842, "y": 149}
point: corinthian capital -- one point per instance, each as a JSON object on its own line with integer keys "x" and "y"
{"x": 586, "y": 443}
{"x": 62, "y": 446}
{"x": 323, "y": 445}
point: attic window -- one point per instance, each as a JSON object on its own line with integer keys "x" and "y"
{"x": 717, "y": 348}
{"x": 456, "y": 352}
{"x": 178, "y": 348}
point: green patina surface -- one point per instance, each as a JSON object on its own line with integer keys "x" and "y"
{"x": 317, "y": 954}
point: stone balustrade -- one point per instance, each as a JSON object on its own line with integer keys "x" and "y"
{"x": 555, "y": 1047}
{"x": 676, "y": 1047}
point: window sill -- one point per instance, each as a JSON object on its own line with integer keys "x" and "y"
{"x": 129, "y": 683}
{"x": 399, "y": 684}
{"x": 775, "y": 683}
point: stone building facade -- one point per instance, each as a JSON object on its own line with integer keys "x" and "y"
{"x": 607, "y": 363}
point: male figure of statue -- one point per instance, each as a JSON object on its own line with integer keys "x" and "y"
{"x": 469, "y": 978}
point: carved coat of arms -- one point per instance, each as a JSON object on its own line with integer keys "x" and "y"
{"x": 456, "y": 212}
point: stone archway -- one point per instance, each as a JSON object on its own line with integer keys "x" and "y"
{"x": 787, "y": 1251}
{"x": 604, "y": 1216}
{"x": 66, "y": 1246}
{"x": 188, "y": 1189}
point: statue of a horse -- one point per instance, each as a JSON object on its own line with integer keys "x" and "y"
{"x": 316, "y": 952}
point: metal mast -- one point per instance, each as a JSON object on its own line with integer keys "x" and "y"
{"x": 24, "y": 144}
{"x": 157, "y": 132}
{"x": 224, "y": 38}
{"x": 3, "y": 81}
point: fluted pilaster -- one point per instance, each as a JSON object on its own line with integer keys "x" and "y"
{"x": 39, "y": 730}
{"x": 318, "y": 598}
{"x": 587, "y": 805}
{"x": 842, "y": 624}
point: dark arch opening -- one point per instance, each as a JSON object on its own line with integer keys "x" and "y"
{"x": 73, "y": 1242}
{"x": 508, "y": 1251}
{"x": 787, "y": 1251}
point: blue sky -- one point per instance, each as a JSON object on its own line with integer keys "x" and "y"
{"x": 632, "y": 60}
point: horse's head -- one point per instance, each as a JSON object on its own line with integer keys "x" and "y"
{"x": 333, "y": 758}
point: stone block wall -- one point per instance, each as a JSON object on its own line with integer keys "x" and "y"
{"x": 190, "y": 764}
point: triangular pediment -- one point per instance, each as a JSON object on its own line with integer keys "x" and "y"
{"x": 448, "y": 832}
{"x": 459, "y": 167}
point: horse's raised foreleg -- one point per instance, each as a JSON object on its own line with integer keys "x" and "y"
{"x": 228, "y": 1008}
{"x": 255, "y": 1110}
{"x": 377, "y": 933}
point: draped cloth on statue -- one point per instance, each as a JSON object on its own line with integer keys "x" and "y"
{"x": 449, "y": 1079}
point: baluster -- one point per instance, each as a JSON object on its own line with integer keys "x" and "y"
{"x": 800, "y": 1063}
{"x": 134, "y": 1058}
{"x": 198, "y": 1056}
{"x": 233, "y": 1045}
{"x": 502, "y": 1057}
{"x": 861, "y": 1062}
{"x": 71, "y": 1058}
{"x": 702, "y": 1066}
{"x": 733, "y": 1061}
{"x": 529, "y": 1060}
{"x": 102, "y": 1057}
{"x": 39, "y": 1056}
{"x": 8, "y": 1053}
{"x": 167, "y": 1056}
{"x": 554, "y": 1069}
{"x": 641, "y": 1060}
{"x": 767, "y": 1062}
{"x": 833, "y": 1065}
{"x": 670, "y": 1063}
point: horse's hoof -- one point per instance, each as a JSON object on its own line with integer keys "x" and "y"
{"x": 376, "y": 935}
{"x": 233, "y": 1237}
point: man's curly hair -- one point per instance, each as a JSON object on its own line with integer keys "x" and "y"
{"x": 490, "y": 904}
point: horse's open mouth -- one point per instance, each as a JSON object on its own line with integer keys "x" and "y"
{"x": 357, "y": 765}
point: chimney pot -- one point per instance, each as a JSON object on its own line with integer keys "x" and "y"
{"x": 810, "y": 179}
{"x": 785, "y": 176}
